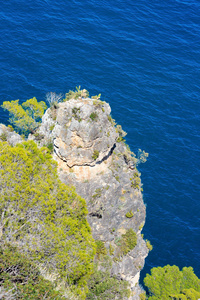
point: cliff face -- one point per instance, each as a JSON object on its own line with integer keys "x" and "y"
{"x": 92, "y": 156}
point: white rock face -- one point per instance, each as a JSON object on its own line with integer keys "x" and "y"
{"x": 82, "y": 132}
{"x": 10, "y": 136}
{"x": 92, "y": 156}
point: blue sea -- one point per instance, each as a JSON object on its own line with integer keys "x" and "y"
{"x": 144, "y": 59}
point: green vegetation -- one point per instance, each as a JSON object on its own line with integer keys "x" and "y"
{"x": 49, "y": 145}
{"x": 95, "y": 154}
{"x": 111, "y": 120}
{"x": 136, "y": 181}
{"x": 171, "y": 283}
{"x": 93, "y": 116}
{"x": 78, "y": 93}
{"x": 52, "y": 127}
{"x": 3, "y": 137}
{"x": 117, "y": 178}
{"x": 97, "y": 194}
{"x": 100, "y": 249}
{"x": 75, "y": 113}
{"x": 44, "y": 217}
{"x": 102, "y": 286}
{"x": 121, "y": 133}
{"x": 149, "y": 246}
{"x": 21, "y": 279}
{"x": 129, "y": 214}
{"x": 96, "y": 97}
{"x": 126, "y": 243}
{"x": 26, "y": 117}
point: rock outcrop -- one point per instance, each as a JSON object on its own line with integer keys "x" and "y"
{"x": 92, "y": 156}
{"x": 7, "y": 134}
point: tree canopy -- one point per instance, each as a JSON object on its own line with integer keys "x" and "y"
{"x": 26, "y": 117}
{"x": 169, "y": 282}
{"x": 42, "y": 216}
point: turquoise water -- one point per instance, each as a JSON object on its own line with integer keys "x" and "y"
{"x": 144, "y": 58}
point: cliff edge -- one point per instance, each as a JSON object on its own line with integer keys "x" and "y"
{"x": 92, "y": 156}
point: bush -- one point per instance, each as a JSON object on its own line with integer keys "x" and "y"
{"x": 21, "y": 276}
{"x": 25, "y": 117}
{"x": 171, "y": 283}
{"x": 100, "y": 249}
{"x": 93, "y": 116}
{"x": 129, "y": 214}
{"x": 46, "y": 218}
{"x": 126, "y": 243}
{"x": 103, "y": 286}
{"x": 149, "y": 246}
{"x": 95, "y": 154}
{"x": 3, "y": 137}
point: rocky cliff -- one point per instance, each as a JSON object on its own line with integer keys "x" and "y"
{"x": 92, "y": 156}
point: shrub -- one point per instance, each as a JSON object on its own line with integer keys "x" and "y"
{"x": 50, "y": 146}
{"x": 44, "y": 217}
{"x": 76, "y": 94}
{"x": 169, "y": 282}
{"x": 93, "y": 116}
{"x": 25, "y": 117}
{"x": 22, "y": 277}
{"x": 103, "y": 286}
{"x": 52, "y": 127}
{"x": 129, "y": 214}
{"x": 100, "y": 249}
{"x": 95, "y": 154}
{"x": 111, "y": 120}
{"x": 126, "y": 243}
{"x": 3, "y": 137}
{"x": 149, "y": 246}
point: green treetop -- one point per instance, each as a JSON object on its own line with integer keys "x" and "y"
{"x": 171, "y": 283}
{"x": 42, "y": 216}
{"x": 26, "y": 117}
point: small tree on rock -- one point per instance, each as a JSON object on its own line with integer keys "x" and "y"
{"x": 26, "y": 117}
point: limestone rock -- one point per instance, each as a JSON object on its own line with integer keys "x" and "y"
{"x": 81, "y": 131}
{"x": 92, "y": 156}
{"x": 7, "y": 134}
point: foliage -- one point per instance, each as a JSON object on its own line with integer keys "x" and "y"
{"x": 75, "y": 113}
{"x": 169, "y": 282}
{"x": 103, "y": 286}
{"x": 76, "y": 94}
{"x": 126, "y": 243}
{"x": 97, "y": 97}
{"x": 51, "y": 128}
{"x": 21, "y": 276}
{"x": 129, "y": 214}
{"x": 135, "y": 182}
{"x": 97, "y": 194}
{"x": 143, "y": 296}
{"x": 46, "y": 218}
{"x": 3, "y": 137}
{"x": 100, "y": 249}
{"x": 93, "y": 116}
{"x": 25, "y": 117}
{"x": 111, "y": 120}
{"x": 50, "y": 146}
{"x": 95, "y": 154}
{"x": 121, "y": 133}
{"x": 148, "y": 244}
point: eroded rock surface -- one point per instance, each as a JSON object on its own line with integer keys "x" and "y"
{"x": 7, "y": 134}
{"x": 92, "y": 156}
